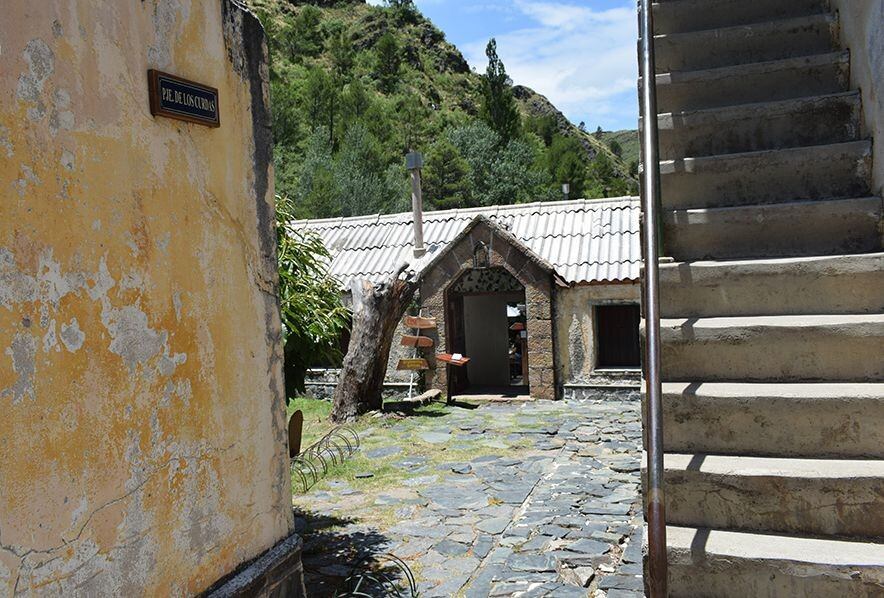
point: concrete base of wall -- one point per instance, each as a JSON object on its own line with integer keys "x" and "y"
{"x": 599, "y": 392}
{"x": 277, "y": 573}
{"x": 321, "y": 384}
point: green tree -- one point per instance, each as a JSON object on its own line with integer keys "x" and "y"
{"x": 616, "y": 148}
{"x": 603, "y": 180}
{"x": 514, "y": 179}
{"x": 413, "y": 117}
{"x": 360, "y": 174}
{"x": 388, "y": 62}
{"x": 342, "y": 55}
{"x": 477, "y": 143}
{"x": 356, "y": 101}
{"x": 285, "y": 117}
{"x": 316, "y": 191}
{"x": 566, "y": 163}
{"x": 499, "y": 174}
{"x": 546, "y": 127}
{"x": 498, "y": 104}
{"x": 304, "y": 37}
{"x": 313, "y": 316}
{"x": 321, "y": 100}
{"x": 404, "y": 11}
{"x": 446, "y": 177}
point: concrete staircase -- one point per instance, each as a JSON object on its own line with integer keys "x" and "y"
{"x": 773, "y": 309}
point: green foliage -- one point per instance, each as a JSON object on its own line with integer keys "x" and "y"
{"x": 603, "y": 179}
{"x": 341, "y": 50}
{"x": 389, "y": 62}
{"x": 304, "y": 36}
{"x": 313, "y": 316}
{"x": 354, "y": 87}
{"x": 566, "y": 163}
{"x": 499, "y": 108}
{"x": 446, "y": 177}
{"x": 498, "y": 173}
{"x": 544, "y": 127}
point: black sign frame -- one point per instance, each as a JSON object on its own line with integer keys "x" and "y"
{"x": 158, "y": 81}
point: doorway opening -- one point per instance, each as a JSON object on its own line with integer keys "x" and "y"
{"x": 487, "y": 322}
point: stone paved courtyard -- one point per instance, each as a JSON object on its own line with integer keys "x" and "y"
{"x": 503, "y": 499}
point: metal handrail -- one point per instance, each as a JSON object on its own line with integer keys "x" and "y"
{"x": 651, "y": 208}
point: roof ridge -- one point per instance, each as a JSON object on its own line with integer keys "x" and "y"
{"x": 493, "y": 210}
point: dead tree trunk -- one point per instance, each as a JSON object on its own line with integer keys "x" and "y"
{"x": 377, "y": 310}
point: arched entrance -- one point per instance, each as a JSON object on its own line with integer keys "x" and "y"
{"x": 486, "y": 316}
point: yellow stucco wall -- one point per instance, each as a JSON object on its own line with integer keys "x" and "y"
{"x": 142, "y": 445}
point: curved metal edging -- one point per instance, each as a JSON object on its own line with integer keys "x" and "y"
{"x": 332, "y": 449}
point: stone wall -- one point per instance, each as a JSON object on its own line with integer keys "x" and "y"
{"x": 862, "y": 31}
{"x": 533, "y": 274}
{"x": 142, "y": 443}
{"x": 576, "y": 345}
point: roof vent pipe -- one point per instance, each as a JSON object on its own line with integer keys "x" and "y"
{"x": 413, "y": 163}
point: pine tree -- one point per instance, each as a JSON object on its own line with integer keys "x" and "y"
{"x": 341, "y": 51}
{"x": 446, "y": 177}
{"x": 322, "y": 101}
{"x": 566, "y": 163}
{"x": 498, "y": 104}
{"x": 389, "y": 60}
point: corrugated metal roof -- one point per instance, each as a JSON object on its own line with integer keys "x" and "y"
{"x": 586, "y": 241}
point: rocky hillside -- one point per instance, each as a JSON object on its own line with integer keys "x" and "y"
{"x": 355, "y": 86}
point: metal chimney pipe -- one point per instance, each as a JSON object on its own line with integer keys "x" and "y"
{"x": 414, "y": 162}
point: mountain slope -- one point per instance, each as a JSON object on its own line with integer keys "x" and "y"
{"x": 627, "y": 140}
{"x": 355, "y": 86}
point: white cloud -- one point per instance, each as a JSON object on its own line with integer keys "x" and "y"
{"x": 583, "y": 60}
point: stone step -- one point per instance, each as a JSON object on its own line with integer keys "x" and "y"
{"x": 794, "y": 229}
{"x": 823, "y": 497}
{"x": 743, "y": 44}
{"x": 769, "y": 176}
{"x": 680, "y": 16}
{"x": 832, "y": 284}
{"x": 727, "y": 564}
{"x": 843, "y": 348}
{"x": 802, "y": 76}
{"x": 786, "y": 420}
{"x": 819, "y": 120}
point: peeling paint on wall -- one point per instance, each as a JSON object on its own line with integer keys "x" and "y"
{"x": 143, "y": 445}
{"x": 576, "y": 343}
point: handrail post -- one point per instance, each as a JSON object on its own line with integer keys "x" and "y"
{"x": 651, "y": 248}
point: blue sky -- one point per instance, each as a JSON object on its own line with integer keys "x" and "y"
{"x": 579, "y": 53}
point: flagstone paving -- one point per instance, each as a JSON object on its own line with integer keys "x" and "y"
{"x": 507, "y": 499}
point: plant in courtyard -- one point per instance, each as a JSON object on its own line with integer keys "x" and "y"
{"x": 313, "y": 316}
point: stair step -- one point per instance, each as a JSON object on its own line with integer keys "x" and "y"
{"x": 797, "y": 122}
{"x": 769, "y": 176}
{"x": 824, "y": 419}
{"x": 794, "y": 229}
{"x": 771, "y": 40}
{"x": 783, "y": 79}
{"x": 838, "y": 284}
{"x": 681, "y": 16}
{"x": 843, "y": 348}
{"x": 825, "y": 497}
{"x": 727, "y": 564}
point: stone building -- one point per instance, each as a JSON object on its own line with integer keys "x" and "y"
{"x": 543, "y": 297}
{"x": 143, "y": 446}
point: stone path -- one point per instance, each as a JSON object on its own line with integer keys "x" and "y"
{"x": 548, "y": 506}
